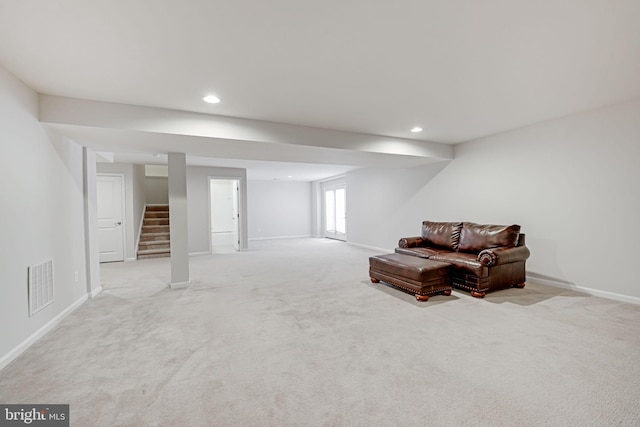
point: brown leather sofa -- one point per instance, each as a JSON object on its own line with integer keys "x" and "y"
{"x": 484, "y": 257}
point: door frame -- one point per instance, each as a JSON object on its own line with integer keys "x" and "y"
{"x": 124, "y": 215}
{"x": 325, "y": 186}
{"x": 238, "y": 243}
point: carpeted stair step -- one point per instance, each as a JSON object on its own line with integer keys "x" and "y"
{"x": 155, "y": 208}
{"x": 156, "y": 214}
{"x": 155, "y": 228}
{"x": 154, "y": 244}
{"x": 154, "y": 253}
{"x": 155, "y": 236}
{"x": 147, "y": 237}
{"x": 155, "y": 221}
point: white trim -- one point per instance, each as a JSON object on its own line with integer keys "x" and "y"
{"x": 199, "y": 253}
{"x": 24, "y": 345}
{"x": 550, "y": 281}
{"x": 180, "y": 285}
{"x": 280, "y": 237}
{"x": 94, "y": 293}
{"x": 373, "y": 248}
{"x": 137, "y": 245}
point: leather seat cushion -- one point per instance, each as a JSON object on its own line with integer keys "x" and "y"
{"x": 463, "y": 261}
{"x": 421, "y": 251}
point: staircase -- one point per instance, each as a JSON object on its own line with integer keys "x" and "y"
{"x": 154, "y": 238}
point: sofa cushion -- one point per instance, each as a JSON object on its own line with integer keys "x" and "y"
{"x": 476, "y": 237}
{"x": 421, "y": 251}
{"x": 464, "y": 262}
{"x": 443, "y": 234}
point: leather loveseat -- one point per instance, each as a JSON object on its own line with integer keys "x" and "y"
{"x": 484, "y": 257}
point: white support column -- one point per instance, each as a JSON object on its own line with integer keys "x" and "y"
{"x": 316, "y": 209}
{"x": 178, "y": 222}
{"x": 91, "y": 222}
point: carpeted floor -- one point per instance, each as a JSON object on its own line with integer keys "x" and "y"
{"x": 292, "y": 333}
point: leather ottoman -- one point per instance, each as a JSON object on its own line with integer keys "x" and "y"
{"x": 420, "y": 276}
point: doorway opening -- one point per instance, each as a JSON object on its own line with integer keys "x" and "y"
{"x": 335, "y": 213}
{"x": 224, "y": 214}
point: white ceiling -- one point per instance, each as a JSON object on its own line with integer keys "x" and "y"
{"x": 460, "y": 69}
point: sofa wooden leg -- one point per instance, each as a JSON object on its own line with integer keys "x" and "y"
{"x": 447, "y": 292}
{"x": 520, "y": 285}
{"x": 374, "y": 280}
{"x": 477, "y": 294}
{"x": 422, "y": 297}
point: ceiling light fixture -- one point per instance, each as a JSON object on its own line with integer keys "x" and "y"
{"x": 211, "y": 99}
{"x": 416, "y": 129}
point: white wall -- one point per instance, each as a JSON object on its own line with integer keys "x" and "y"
{"x": 198, "y": 204}
{"x": 384, "y": 205}
{"x": 573, "y": 185}
{"x": 156, "y": 189}
{"x": 279, "y": 209}
{"x": 134, "y": 183}
{"x": 41, "y": 217}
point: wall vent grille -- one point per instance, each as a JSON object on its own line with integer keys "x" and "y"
{"x": 40, "y": 286}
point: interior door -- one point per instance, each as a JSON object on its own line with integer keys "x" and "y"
{"x": 224, "y": 214}
{"x": 110, "y": 218}
{"x": 335, "y": 212}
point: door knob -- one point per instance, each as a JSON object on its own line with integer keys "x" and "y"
{"x": 119, "y": 223}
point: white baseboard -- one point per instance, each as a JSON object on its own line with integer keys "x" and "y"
{"x": 302, "y": 236}
{"x": 94, "y": 293}
{"x": 550, "y": 281}
{"x": 180, "y": 285}
{"x": 199, "y": 253}
{"x": 24, "y": 345}
{"x": 373, "y": 248}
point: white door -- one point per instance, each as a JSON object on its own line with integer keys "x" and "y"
{"x": 110, "y": 218}
{"x": 335, "y": 212}
{"x": 224, "y": 215}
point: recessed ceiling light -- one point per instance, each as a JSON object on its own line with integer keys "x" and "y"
{"x": 289, "y": 176}
{"x": 211, "y": 99}
{"x": 416, "y": 129}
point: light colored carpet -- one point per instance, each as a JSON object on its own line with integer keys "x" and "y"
{"x": 292, "y": 333}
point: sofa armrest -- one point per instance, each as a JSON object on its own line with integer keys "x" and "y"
{"x": 497, "y": 256}
{"x": 411, "y": 242}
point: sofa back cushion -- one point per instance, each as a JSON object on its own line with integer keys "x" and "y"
{"x": 442, "y": 234}
{"x": 476, "y": 237}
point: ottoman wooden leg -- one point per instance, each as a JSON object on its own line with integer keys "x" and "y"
{"x": 447, "y": 292}
{"x": 374, "y": 280}
{"x": 477, "y": 294}
{"x": 519, "y": 285}
{"x": 422, "y": 297}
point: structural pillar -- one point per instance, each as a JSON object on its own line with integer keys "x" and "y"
{"x": 178, "y": 222}
{"x": 92, "y": 259}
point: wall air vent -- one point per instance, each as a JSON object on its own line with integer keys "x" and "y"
{"x": 40, "y": 286}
